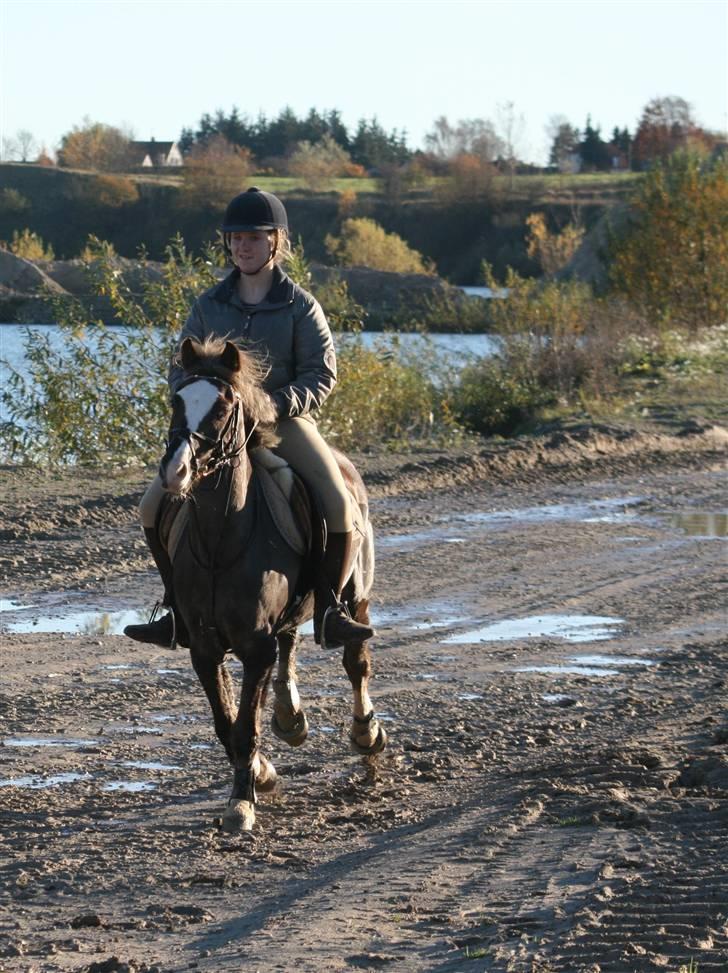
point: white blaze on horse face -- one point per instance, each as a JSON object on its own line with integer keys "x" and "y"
{"x": 198, "y": 399}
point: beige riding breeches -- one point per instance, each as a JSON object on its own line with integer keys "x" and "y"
{"x": 303, "y": 447}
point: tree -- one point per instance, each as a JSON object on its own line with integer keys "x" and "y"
{"x": 317, "y": 164}
{"x": 470, "y": 136}
{"x": 666, "y": 125}
{"x": 214, "y": 172}
{"x": 594, "y": 151}
{"x": 372, "y": 147}
{"x": 672, "y": 260}
{"x": 363, "y": 242}
{"x": 95, "y": 146}
{"x": 511, "y": 127}
{"x": 471, "y": 177}
{"x": 564, "y": 139}
{"x": 27, "y": 145}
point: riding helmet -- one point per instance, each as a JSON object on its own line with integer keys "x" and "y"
{"x": 254, "y": 210}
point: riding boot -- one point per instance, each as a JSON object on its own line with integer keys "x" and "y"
{"x": 169, "y": 629}
{"x": 333, "y": 625}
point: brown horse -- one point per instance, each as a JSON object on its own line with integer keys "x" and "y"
{"x": 240, "y": 586}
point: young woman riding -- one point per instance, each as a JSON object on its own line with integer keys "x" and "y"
{"x": 259, "y": 303}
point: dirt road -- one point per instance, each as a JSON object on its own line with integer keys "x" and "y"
{"x": 551, "y": 669}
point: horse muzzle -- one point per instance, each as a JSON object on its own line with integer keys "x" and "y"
{"x": 176, "y": 467}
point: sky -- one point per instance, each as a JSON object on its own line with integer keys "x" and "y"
{"x": 156, "y": 66}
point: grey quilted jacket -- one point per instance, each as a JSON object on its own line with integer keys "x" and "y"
{"x": 288, "y": 329}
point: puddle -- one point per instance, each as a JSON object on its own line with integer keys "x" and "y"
{"x": 587, "y": 665}
{"x": 118, "y": 665}
{"x": 149, "y": 765}
{"x": 572, "y": 628}
{"x": 700, "y": 523}
{"x": 129, "y": 786}
{"x": 35, "y": 782}
{"x": 77, "y": 623}
{"x": 470, "y": 697}
{"x": 612, "y": 660}
{"x": 69, "y": 742}
{"x": 169, "y": 718}
{"x": 6, "y": 605}
{"x": 612, "y": 511}
{"x": 569, "y": 670}
{"x": 153, "y": 730}
{"x": 594, "y": 511}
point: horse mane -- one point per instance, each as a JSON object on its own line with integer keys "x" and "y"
{"x": 247, "y": 381}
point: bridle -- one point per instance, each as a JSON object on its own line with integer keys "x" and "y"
{"x": 223, "y": 450}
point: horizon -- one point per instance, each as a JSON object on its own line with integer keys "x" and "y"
{"x": 431, "y": 59}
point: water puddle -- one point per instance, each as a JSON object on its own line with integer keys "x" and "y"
{"x": 470, "y": 697}
{"x": 149, "y": 765}
{"x": 35, "y": 782}
{"x": 586, "y": 665}
{"x": 611, "y": 511}
{"x": 68, "y": 742}
{"x": 572, "y": 628}
{"x": 7, "y": 605}
{"x": 76, "y": 623}
{"x": 700, "y": 523}
{"x": 129, "y": 786}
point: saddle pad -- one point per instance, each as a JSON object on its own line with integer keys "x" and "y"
{"x": 277, "y": 486}
{"x": 173, "y": 519}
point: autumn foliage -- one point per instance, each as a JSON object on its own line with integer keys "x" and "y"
{"x": 672, "y": 262}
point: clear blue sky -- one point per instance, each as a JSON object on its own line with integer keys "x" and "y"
{"x": 156, "y": 66}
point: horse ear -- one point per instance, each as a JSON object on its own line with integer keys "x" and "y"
{"x": 189, "y": 352}
{"x": 231, "y": 357}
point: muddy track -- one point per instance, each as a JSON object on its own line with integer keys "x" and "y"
{"x": 551, "y": 670}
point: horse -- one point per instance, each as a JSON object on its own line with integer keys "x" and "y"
{"x": 240, "y": 587}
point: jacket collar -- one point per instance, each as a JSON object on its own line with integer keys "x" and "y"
{"x": 279, "y": 295}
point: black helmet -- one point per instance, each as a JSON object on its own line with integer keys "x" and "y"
{"x": 254, "y": 210}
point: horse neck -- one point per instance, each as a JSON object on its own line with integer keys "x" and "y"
{"x": 223, "y": 508}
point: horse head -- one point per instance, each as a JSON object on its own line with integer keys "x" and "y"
{"x": 219, "y": 394}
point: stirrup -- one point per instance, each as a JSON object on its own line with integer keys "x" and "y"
{"x": 170, "y": 612}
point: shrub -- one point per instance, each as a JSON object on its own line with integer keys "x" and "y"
{"x": 100, "y": 394}
{"x": 552, "y": 251}
{"x": 672, "y": 260}
{"x": 318, "y": 163}
{"x": 13, "y": 202}
{"x": 214, "y": 172}
{"x": 362, "y": 242}
{"x": 114, "y": 191}
{"x": 29, "y": 245}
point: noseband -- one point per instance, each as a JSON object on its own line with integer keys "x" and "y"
{"x": 223, "y": 450}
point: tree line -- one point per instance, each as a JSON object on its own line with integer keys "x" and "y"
{"x": 319, "y": 145}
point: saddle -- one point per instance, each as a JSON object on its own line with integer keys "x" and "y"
{"x": 292, "y": 508}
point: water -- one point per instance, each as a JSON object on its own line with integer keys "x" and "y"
{"x": 571, "y": 628}
{"x": 456, "y": 348}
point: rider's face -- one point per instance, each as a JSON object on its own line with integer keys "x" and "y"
{"x": 250, "y": 249}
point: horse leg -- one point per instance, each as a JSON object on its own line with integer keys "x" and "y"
{"x": 367, "y": 735}
{"x": 247, "y": 762}
{"x": 288, "y": 721}
{"x": 218, "y": 685}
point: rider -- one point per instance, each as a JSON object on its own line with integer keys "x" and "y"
{"x": 259, "y": 303}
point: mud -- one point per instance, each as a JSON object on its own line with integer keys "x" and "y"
{"x": 551, "y": 799}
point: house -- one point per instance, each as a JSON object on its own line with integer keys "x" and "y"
{"x": 155, "y": 155}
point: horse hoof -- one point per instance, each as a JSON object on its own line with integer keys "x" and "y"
{"x": 296, "y": 734}
{"x": 369, "y": 749}
{"x": 266, "y": 776}
{"x": 238, "y": 816}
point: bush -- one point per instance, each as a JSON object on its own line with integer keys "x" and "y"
{"x": 29, "y": 245}
{"x": 552, "y": 251}
{"x": 672, "y": 260}
{"x": 559, "y": 346}
{"x": 362, "y": 242}
{"x": 100, "y": 395}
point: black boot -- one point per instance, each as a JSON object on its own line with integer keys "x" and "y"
{"x": 169, "y": 630}
{"x": 333, "y": 625}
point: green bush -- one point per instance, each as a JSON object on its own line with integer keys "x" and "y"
{"x": 100, "y": 395}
